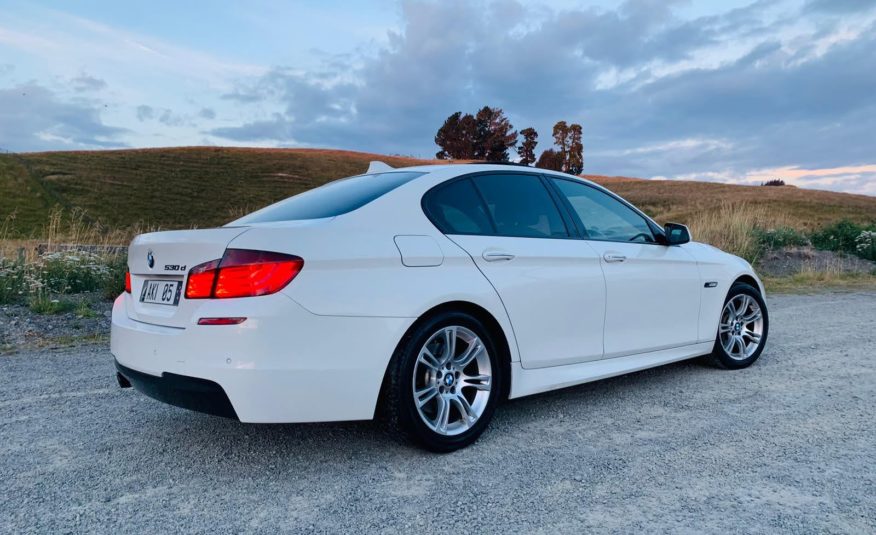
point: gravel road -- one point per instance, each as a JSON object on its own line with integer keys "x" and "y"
{"x": 788, "y": 445}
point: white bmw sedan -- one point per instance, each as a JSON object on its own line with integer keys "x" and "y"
{"x": 424, "y": 295}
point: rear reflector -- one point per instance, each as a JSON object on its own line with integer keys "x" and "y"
{"x": 127, "y": 281}
{"x": 221, "y": 321}
{"x": 242, "y": 273}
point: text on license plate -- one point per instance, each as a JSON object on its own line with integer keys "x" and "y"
{"x": 161, "y": 292}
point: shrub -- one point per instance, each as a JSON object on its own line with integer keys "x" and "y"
{"x": 72, "y": 272}
{"x": 113, "y": 283}
{"x": 840, "y": 236}
{"x": 780, "y": 237}
{"x": 774, "y": 182}
{"x": 865, "y": 245}
{"x": 13, "y": 282}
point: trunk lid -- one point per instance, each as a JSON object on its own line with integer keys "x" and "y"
{"x": 168, "y": 257}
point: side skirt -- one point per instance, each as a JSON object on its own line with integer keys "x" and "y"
{"x": 532, "y": 381}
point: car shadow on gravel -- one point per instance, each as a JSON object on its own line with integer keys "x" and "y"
{"x": 200, "y": 436}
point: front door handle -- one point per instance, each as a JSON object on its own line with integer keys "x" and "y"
{"x": 614, "y": 257}
{"x": 497, "y": 256}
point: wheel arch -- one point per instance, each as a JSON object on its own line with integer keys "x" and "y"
{"x": 490, "y": 322}
{"x": 751, "y": 281}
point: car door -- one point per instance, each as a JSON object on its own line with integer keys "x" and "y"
{"x": 551, "y": 284}
{"x": 652, "y": 290}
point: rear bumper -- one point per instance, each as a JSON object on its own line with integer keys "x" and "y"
{"x": 181, "y": 391}
{"x": 283, "y": 364}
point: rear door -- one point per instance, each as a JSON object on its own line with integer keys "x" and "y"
{"x": 551, "y": 284}
{"x": 653, "y": 290}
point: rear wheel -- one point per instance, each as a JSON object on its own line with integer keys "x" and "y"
{"x": 443, "y": 382}
{"x": 742, "y": 329}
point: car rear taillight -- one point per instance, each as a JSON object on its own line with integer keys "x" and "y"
{"x": 127, "y": 281}
{"x": 242, "y": 273}
{"x": 201, "y": 280}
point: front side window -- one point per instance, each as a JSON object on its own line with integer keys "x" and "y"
{"x": 520, "y": 206}
{"x": 602, "y": 216}
{"x": 330, "y": 200}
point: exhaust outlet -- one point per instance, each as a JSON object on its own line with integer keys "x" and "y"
{"x": 123, "y": 381}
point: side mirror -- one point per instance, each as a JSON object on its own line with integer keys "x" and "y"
{"x": 676, "y": 234}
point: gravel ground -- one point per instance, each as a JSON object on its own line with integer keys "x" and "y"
{"x": 787, "y": 445}
{"x": 20, "y": 328}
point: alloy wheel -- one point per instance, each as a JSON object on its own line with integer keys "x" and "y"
{"x": 452, "y": 380}
{"x": 741, "y": 327}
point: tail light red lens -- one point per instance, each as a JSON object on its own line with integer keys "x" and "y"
{"x": 127, "y": 281}
{"x": 201, "y": 280}
{"x": 242, "y": 273}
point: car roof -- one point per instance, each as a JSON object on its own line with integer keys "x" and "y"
{"x": 451, "y": 170}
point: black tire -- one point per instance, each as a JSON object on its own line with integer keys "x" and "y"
{"x": 719, "y": 356}
{"x": 398, "y": 408}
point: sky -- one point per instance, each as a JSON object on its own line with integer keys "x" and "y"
{"x": 735, "y": 91}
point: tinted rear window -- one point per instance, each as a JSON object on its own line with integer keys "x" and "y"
{"x": 456, "y": 208}
{"x": 330, "y": 200}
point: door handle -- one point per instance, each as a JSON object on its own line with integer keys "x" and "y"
{"x": 497, "y": 256}
{"x": 614, "y": 257}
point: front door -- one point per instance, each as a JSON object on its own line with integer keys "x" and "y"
{"x": 652, "y": 290}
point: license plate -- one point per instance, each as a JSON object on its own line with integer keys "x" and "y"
{"x": 161, "y": 292}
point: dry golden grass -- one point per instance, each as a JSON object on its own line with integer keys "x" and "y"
{"x": 681, "y": 201}
{"x": 731, "y": 227}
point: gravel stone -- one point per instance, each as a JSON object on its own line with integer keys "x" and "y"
{"x": 785, "y": 446}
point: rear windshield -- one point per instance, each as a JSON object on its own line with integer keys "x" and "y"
{"x": 332, "y": 199}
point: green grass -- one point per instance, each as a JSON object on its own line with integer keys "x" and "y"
{"x": 44, "y": 303}
{"x": 208, "y": 186}
{"x": 166, "y": 188}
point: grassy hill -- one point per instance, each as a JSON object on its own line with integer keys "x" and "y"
{"x": 207, "y": 186}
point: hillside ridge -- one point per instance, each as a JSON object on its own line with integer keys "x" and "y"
{"x": 183, "y": 187}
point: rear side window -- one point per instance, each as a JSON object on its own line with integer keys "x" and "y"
{"x": 521, "y": 206}
{"x": 330, "y": 200}
{"x": 456, "y": 208}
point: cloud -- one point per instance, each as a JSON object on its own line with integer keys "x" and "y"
{"x": 145, "y": 113}
{"x": 840, "y": 6}
{"x": 85, "y": 83}
{"x": 164, "y": 116}
{"x": 33, "y": 118}
{"x": 769, "y": 85}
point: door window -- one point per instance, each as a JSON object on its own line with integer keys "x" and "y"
{"x": 602, "y": 216}
{"x": 521, "y": 206}
{"x": 456, "y": 208}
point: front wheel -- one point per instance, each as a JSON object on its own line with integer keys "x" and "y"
{"x": 444, "y": 382}
{"x": 742, "y": 329}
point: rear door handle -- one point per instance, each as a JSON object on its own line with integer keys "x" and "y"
{"x": 497, "y": 256}
{"x": 614, "y": 257}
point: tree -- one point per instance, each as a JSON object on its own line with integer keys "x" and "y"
{"x": 561, "y": 140}
{"x": 773, "y": 182}
{"x": 494, "y": 135}
{"x": 575, "y": 157}
{"x": 526, "y": 150}
{"x": 485, "y": 136}
{"x": 550, "y": 159}
{"x": 455, "y": 137}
